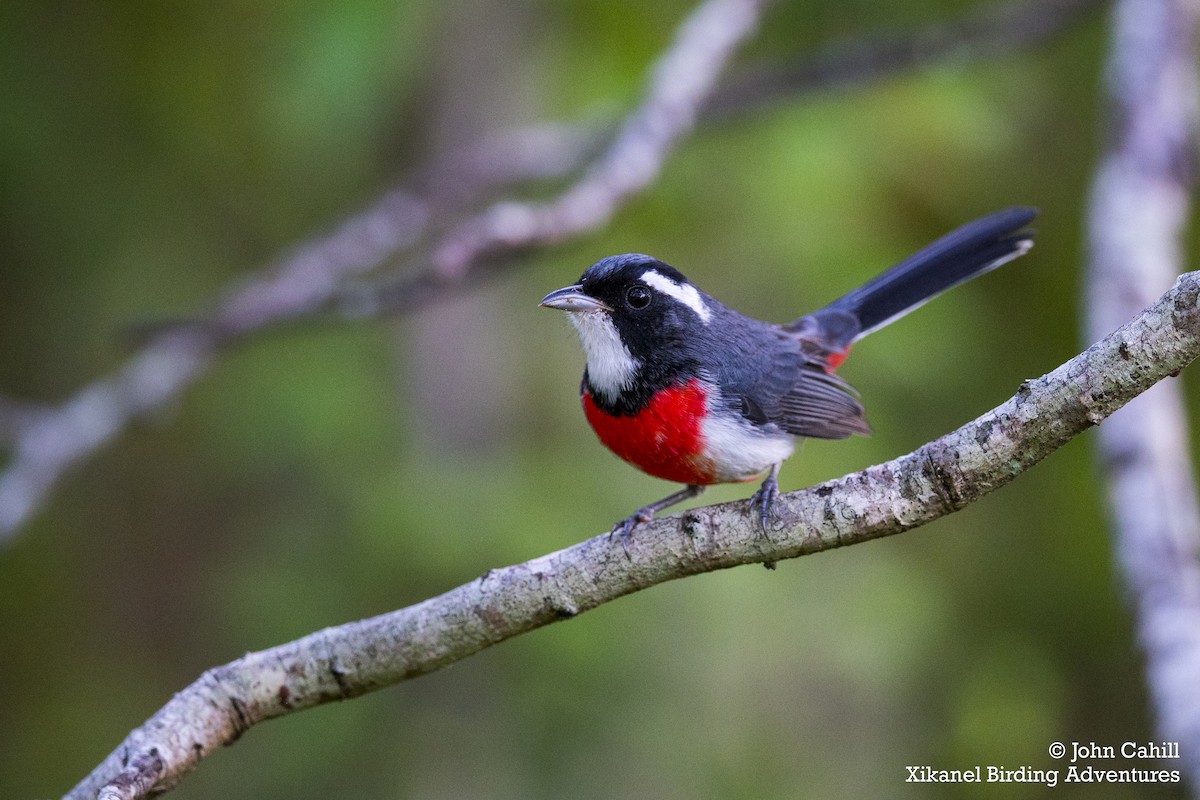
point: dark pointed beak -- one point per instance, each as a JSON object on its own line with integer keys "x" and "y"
{"x": 572, "y": 298}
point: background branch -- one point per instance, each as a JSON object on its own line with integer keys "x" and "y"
{"x": 990, "y": 30}
{"x": 314, "y": 278}
{"x": 938, "y": 478}
{"x": 16, "y": 419}
{"x": 1139, "y": 207}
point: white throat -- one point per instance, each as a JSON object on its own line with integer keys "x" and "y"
{"x": 611, "y": 367}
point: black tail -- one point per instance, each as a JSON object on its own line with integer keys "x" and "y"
{"x": 955, "y": 258}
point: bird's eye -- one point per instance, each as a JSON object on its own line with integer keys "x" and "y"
{"x": 637, "y": 297}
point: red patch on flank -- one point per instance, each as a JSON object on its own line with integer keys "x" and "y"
{"x": 663, "y": 439}
{"x": 835, "y": 360}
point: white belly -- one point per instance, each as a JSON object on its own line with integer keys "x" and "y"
{"x": 741, "y": 453}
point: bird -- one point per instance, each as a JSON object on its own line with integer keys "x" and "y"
{"x": 691, "y": 391}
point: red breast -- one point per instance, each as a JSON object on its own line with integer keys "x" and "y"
{"x": 663, "y": 439}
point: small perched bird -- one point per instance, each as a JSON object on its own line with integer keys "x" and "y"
{"x": 690, "y": 391}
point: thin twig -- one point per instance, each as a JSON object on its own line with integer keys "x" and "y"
{"x": 935, "y": 480}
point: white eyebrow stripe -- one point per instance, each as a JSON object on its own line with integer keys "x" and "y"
{"x": 683, "y": 292}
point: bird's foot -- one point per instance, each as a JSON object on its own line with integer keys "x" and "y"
{"x": 646, "y": 513}
{"x": 764, "y": 499}
{"x": 624, "y": 528}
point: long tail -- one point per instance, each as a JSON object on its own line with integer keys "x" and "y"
{"x": 957, "y": 257}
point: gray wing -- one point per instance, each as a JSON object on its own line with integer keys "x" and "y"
{"x": 786, "y": 384}
{"x": 821, "y": 405}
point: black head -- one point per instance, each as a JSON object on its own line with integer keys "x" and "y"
{"x": 650, "y": 303}
{"x": 640, "y": 322}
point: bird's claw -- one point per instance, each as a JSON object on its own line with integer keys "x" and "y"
{"x": 765, "y": 499}
{"x": 624, "y": 528}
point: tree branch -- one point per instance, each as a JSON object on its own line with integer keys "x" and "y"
{"x": 937, "y": 479}
{"x": 1139, "y": 206}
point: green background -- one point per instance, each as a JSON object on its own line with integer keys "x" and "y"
{"x": 154, "y": 154}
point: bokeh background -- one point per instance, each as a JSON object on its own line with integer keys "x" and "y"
{"x": 153, "y": 155}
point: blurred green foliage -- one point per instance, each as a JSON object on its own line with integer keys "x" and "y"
{"x": 153, "y": 154}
